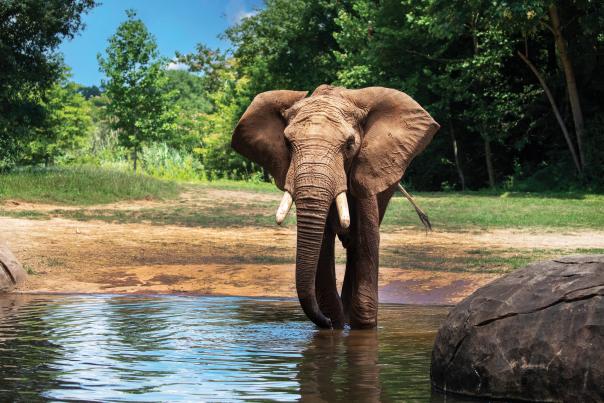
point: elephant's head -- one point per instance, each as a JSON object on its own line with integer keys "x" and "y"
{"x": 320, "y": 148}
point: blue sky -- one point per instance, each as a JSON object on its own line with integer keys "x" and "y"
{"x": 176, "y": 25}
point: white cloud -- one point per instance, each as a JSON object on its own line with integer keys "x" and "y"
{"x": 237, "y": 10}
{"x": 177, "y": 66}
{"x": 245, "y": 14}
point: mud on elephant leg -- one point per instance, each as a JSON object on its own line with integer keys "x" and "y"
{"x": 360, "y": 290}
{"x": 325, "y": 284}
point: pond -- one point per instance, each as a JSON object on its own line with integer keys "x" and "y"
{"x": 170, "y": 348}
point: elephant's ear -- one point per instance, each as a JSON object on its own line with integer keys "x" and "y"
{"x": 396, "y": 129}
{"x": 259, "y": 134}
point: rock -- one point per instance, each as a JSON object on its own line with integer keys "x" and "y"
{"x": 534, "y": 334}
{"x": 11, "y": 271}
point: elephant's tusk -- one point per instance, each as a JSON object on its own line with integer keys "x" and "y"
{"x": 343, "y": 213}
{"x": 284, "y": 207}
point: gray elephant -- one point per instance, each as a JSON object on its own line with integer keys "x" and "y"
{"x": 339, "y": 154}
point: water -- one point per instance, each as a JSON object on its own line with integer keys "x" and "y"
{"x": 172, "y": 348}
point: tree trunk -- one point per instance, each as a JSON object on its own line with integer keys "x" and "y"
{"x": 571, "y": 83}
{"x": 487, "y": 142}
{"x": 462, "y": 179}
{"x": 552, "y": 102}
{"x": 489, "y": 161}
{"x": 134, "y": 158}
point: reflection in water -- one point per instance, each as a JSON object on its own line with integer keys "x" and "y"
{"x": 341, "y": 366}
{"x": 167, "y": 348}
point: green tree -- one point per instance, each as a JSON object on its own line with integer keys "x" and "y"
{"x": 67, "y": 123}
{"x": 103, "y": 143}
{"x": 193, "y": 102}
{"x": 30, "y": 31}
{"x": 459, "y": 59}
{"x": 288, "y": 44}
{"x": 90, "y": 91}
{"x": 451, "y": 58}
{"x": 216, "y": 154}
{"x": 141, "y": 108}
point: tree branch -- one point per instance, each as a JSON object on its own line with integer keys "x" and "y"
{"x": 550, "y": 97}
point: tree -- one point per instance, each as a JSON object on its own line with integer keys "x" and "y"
{"x": 90, "y": 91}
{"x": 458, "y": 59}
{"x": 210, "y": 64}
{"x": 141, "y": 108}
{"x": 30, "y": 31}
{"x": 288, "y": 44}
{"x": 67, "y": 123}
{"x": 193, "y": 102}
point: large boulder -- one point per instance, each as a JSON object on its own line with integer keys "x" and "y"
{"x": 534, "y": 334}
{"x": 11, "y": 271}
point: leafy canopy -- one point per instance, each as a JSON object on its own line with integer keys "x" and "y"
{"x": 142, "y": 110}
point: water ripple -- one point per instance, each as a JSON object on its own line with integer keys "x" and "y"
{"x": 172, "y": 348}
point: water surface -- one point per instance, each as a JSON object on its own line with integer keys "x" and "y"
{"x": 170, "y": 348}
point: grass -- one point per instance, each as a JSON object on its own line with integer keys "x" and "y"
{"x": 476, "y": 210}
{"x": 84, "y": 185}
{"x": 225, "y": 184}
{"x": 450, "y": 212}
{"x": 447, "y": 211}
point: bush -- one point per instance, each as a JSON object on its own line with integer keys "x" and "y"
{"x": 161, "y": 161}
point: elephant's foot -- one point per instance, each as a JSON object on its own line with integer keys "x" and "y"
{"x": 363, "y": 319}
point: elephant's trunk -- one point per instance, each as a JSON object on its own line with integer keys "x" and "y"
{"x": 312, "y": 206}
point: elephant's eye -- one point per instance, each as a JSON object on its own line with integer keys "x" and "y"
{"x": 350, "y": 143}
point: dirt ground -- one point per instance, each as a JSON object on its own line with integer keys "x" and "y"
{"x": 69, "y": 256}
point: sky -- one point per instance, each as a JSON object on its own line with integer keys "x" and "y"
{"x": 176, "y": 25}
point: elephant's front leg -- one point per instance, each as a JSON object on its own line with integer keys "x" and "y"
{"x": 325, "y": 284}
{"x": 360, "y": 290}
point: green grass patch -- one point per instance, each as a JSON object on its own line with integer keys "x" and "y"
{"x": 465, "y": 211}
{"x": 225, "y": 184}
{"x": 476, "y": 210}
{"x": 82, "y": 185}
{"x": 448, "y": 211}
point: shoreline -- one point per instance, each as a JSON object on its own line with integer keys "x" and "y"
{"x": 398, "y": 286}
{"x": 188, "y": 294}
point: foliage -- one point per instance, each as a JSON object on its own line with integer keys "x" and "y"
{"x": 458, "y": 59}
{"x": 288, "y": 44}
{"x": 209, "y": 63}
{"x": 161, "y": 161}
{"x": 219, "y": 159}
{"x": 191, "y": 97}
{"x": 142, "y": 110}
{"x": 30, "y": 31}
{"x": 66, "y": 124}
{"x": 89, "y": 92}
{"x": 103, "y": 143}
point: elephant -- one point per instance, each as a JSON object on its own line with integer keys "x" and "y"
{"x": 339, "y": 154}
